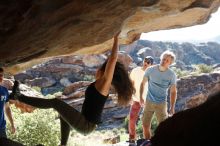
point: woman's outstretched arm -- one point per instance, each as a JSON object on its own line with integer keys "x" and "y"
{"x": 103, "y": 84}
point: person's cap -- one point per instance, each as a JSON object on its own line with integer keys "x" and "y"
{"x": 149, "y": 58}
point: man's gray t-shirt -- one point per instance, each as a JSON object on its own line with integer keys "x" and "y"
{"x": 159, "y": 83}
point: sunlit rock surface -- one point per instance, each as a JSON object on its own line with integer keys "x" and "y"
{"x": 32, "y": 29}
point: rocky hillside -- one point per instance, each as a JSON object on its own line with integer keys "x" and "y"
{"x": 186, "y": 53}
{"x": 57, "y": 73}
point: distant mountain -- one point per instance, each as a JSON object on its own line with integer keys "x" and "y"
{"x": 187, "y": 53}
{"x": 195, "y": 41}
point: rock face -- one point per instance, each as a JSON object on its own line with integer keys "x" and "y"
{"x": 59, "y": 72}
{"x": 194, "y": 90}
{"x": 32, "y": 29}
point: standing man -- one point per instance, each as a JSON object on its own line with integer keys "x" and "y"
{"x": 136, "y": 76}
{"x": 4, "y": 107}
{"x": 160, "y": 78}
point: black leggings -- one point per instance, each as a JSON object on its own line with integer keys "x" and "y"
{"x": 68, "y": 115}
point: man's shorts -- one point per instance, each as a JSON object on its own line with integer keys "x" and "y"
{"x": 160, "y": 109}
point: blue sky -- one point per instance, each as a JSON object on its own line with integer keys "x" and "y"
{"x": 195, "y": 33}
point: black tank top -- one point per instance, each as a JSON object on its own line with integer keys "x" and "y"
{"x": 93, "y": 105}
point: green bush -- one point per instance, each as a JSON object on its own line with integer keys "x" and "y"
{"x": 51, "y": 96}
{"x": 180, "y": 73}
{"x": 203, "y": 68}
{"x": 38, "y": 89}
{"x": 39, "y": 127}
{"x": 58, "y": 94}
{"x": 88, "y": 78}
{"x": 198, "y": 69}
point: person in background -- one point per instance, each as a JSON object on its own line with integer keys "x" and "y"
{"x": 4, "y": 108}
{"x": 96, "y": 94}
{"x": 160, "y": 78}
{"x": 136, "y": 76}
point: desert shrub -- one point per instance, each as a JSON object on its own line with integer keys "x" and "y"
{"x": 38, "y": 127}
{"x": 198, "y": 69}
{"x": 88, "y": 78}
{"x": 181, "y": 73}
{"x": 38, "y": 89}
{"x": 55, "y": 95}
{"x": 50, "y": 96}
{"x": 203, "y": 68}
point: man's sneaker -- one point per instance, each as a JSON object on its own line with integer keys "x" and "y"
{"x": 143, "y": 142}
{"x": 15, "y": 91}
{"x": 140, "y": 141}
{"x": 146, "y": 143}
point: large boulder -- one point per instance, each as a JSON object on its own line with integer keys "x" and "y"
{"x": 33, "y": 29}
{"x": 198, "y": 126}
{"x": 194, "y": 90}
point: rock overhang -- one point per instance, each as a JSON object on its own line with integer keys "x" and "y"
{"x": 32, "y": 31}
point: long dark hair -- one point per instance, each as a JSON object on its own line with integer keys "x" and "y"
{"x": 122, "y": 83}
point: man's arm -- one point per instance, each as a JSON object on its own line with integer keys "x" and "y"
{"x": 173, "y": 95}
{"x": 9, "y": 116}
{"x": 145, "y": 79}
